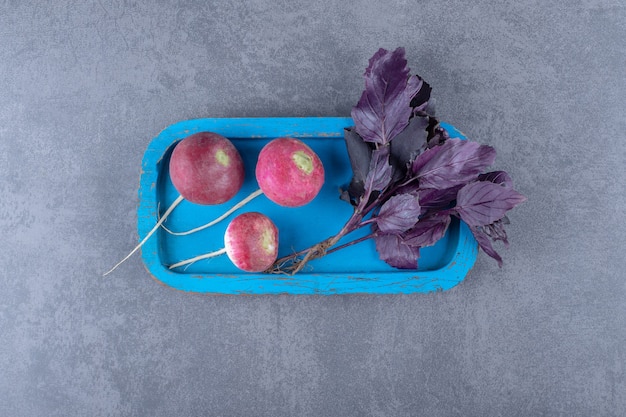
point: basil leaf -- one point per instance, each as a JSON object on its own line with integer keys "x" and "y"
{"x": 394, "y": 252}
{"x": 398, "y": 214}
{"x": 383, "y": 110}
{"x": 481, "y": 203}
{"x": 453, "y": 163}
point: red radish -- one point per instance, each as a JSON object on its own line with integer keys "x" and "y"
{"x": 289, "y": 173}
{"x": 205, "y": 168}
{"x": 250, "y": 241}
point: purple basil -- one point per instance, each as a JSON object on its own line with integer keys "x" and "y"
{"x": 384, "y": 108}
{"x": 409, "y": 176}
{"x": 455, "y": 162}
{"x": 394, "y": 252}
{"x": 380, "y": 172}
{"x": 485, "y": 244}
{"x": 427, "y": 231}
{"x": 421, "y": 101}
{"x": 437, "y": 199}
{"x": 408, "y": 144}
{"x": 481, "y": 203}
{"x": 497, "y": 177}
{"x": 398, "y": 214}
{"x": 360, "y": 155}
{"x": 496, "y": 231}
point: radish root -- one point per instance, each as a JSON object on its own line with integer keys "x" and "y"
{"x": 176, "y": 202}
{"x": 219, "y": 219}
{"x": 198, "y": 258}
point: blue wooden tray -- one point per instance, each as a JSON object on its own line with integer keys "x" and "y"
{"x": 356, "y": 269}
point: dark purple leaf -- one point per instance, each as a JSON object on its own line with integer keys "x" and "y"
{"x": 407, "y": 145}
{"x": 453, "y": 163}
{"x": 435, "y": 199}
{"x": 398, "y": 214}
{"x": 409, "y": 188}
{"x": 424, "y": 158}
{"x": 481, "y": 203}
{"x": 397, "y": 254}
{"x": 427, "y": 231}
{"x": 383, "y": 110}
{"x": 496, "y": 231}
{"x": 360, "y": 154}
{"x": 485, "y": 244}
{"x": 353, "y": 193}
{"x": 437, "y": 135}
{"x": 345, "y": 195}
{"x": 421, "y": 100}
{"x": 380, "y": 172}
{"x": 497, "y": 177}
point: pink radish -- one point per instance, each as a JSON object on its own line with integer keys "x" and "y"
{"x": 205, "y": 168}
{"x": 250, "y": 241}
{"x": 288, "y": 172}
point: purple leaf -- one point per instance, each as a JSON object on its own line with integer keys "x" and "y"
{"x": 497, "y": 177}
{"x": 453, "y": 163}
{"x": 360, "y": 154}
{"x": 437, "y": 135}
{"x": 397, "y": 254}
{"x": 407, "y": 145}
{"x": 383, "y": 110}
{"x": 380, "y": 172}
{"x": 398, "y": 214}
{"x": 485, "y": 244}
{"x": 424, "y": 159}
{"x": 496, "y": 231}
{"x": 421, "y": 100}
{"x": 427, "y": 231}
{"x": 435, "y": 199}
{"x": 481, "y": 203}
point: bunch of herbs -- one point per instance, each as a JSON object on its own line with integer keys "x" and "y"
{"x": 409, "y": 177}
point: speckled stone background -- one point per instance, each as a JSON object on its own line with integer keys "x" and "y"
{"x": 84, "y": 87}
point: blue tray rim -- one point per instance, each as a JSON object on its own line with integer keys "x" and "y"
{"x": 304, "y": 282}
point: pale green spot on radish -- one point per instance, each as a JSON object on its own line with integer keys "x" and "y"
{"x": 267, "y": 241}
{"x": 303, "y": 161}
{"x": 222, "y": 158}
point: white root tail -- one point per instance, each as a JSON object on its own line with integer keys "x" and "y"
{"x": 219, "y": 219}
{"x": 198, "y": 258}
{"x": 154, "y": 229}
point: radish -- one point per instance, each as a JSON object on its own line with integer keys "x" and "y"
{"x": 250, "y": 241}
{"x": 205, "y": 168}
{"x": 288, "y": 172}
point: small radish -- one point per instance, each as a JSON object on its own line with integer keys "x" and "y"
{"x": 205, "y": 168}
{"x": 250, "y": 241}
{"x": 288, "y": 172}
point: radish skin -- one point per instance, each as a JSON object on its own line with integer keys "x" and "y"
{"x": 289, "y": 172}
{"x": 206, "y": 169}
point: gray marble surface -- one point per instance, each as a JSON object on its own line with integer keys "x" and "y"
{"x": 84, "y": 86}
